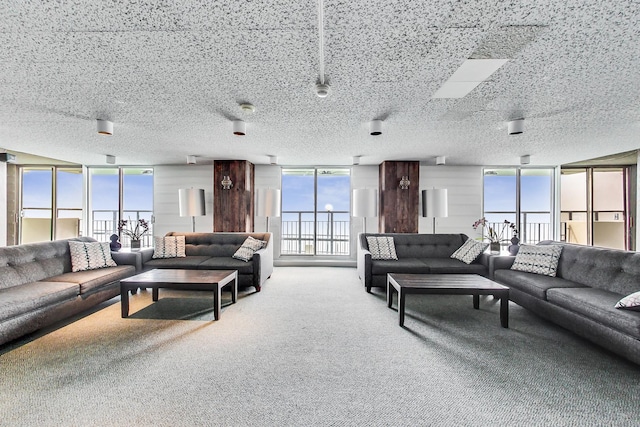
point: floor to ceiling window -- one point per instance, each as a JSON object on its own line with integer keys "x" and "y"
{"x": 522, "y": 196}
{"x": 50, "y": 203}
{"x": 594, "y": 208}
{"x": 315, "y": 211}
{"x": 119, "y": 193}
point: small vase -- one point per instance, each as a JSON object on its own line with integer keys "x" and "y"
{"x": 515, "y": 247}
{"x": 135, "y": 245}
{"x": 494, "y": 247}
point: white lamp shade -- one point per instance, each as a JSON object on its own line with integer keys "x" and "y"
{"x": 268, "y": 203}
{"x": 191, "y": 202}
{"x": 365, "y": 203}
{"x": 435, "y": 203}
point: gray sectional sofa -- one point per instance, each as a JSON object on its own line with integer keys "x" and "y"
{"x": 214, "y": 251}
{"x": 417, "y": 254}
{"x": 581, "y": 298}
{"x": 38, "y": 288}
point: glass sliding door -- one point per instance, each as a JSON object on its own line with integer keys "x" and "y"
{"x": 69, "y": 191}
{"x": 36, "y": 212}
{"x": 137, "y": 200}
{"x": 574, "y": 206}
{"x": 104, "y": 202}
{"x": 315, "y": 211}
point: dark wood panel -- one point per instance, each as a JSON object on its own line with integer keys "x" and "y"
{"x": 399, "y": 209}
{"x": 233, "y": 209}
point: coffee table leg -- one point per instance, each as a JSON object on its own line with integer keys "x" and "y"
{"x": 154, "y": 293}
{"x": 124, "y": 301}
{"x": 389, "y": 294}
{"x": 401, "y": 296}
{"x": 476, "y": 301}
{"x": 216, "y": 302}
{"x": 504, "y": 311}
{"x": 234, "y": 290}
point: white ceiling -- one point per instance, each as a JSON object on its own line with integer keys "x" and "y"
{"x": 170, "y": 75}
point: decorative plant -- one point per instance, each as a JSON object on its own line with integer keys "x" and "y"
{"x": 134, "y": 229}
{"x": 493, "y": 234}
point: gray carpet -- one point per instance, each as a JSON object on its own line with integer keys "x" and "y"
{"x": 313, "y": 348}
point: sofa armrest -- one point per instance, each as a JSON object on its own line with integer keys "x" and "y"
{"x": 263, "y": 264}
{"x": 363, "y": 264}
{"x": 147, "y": 254}
{"x": 128, "y": 258}
{"x": 500, "y": 262}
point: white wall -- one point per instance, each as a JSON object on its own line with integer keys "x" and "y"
{"x": 464, "y": 188}
{"x": 167, "y": 180}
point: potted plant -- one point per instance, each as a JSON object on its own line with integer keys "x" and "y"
{"x": 495, "y": 235}
{"x": 134, "y": 230}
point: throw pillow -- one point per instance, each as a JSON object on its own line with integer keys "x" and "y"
{"x": 469, "y": 251}
{"x": 382, "y": 247}
{"x": 248, "y": 248}
{"x": 536, "y": 259}
{"x": 169, "y": 247}
{"x": 630, "y": 302}
{"x": 90, "y": 255}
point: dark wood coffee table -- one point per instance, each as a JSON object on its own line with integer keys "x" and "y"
{"x": 447, "y": 284}
{"x": 185, "y": 280}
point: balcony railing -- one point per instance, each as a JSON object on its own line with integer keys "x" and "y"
{"x": 327, "y": 235}
{"x": 102, "y": 229}
{"x": 530, "y": 232}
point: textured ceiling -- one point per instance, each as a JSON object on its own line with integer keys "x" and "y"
{"x": 171, "y": 76}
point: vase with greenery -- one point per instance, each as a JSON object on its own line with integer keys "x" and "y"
{"x": 496, "y": 234}
{"x": 134, "y": 229}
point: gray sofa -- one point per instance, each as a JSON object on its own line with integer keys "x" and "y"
{"x": 213, "y": 251}
{"x": 38, "y": 288}
{"x": 417, "y": 254}
{"x": 581, "y": 298}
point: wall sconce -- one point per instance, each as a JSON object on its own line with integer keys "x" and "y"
{"x": 226, "y": 182}
{"x": 404, "y": 182}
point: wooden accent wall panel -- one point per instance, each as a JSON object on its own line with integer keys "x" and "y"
{"x": 233, "y": 209}
{"x": 399, "y": 209}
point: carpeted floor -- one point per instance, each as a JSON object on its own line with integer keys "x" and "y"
{"x": 313, "y": 349}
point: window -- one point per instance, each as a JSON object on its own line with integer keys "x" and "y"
{"x": 523, "y": 196}
{"x": 315, "y": 211}
{"x": 45, "y": 190}
{"x": 119, "y": 193}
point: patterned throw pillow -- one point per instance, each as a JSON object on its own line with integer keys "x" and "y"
{"x": 469, "y": 251}
{"x": 169, "y": 247}
{"x": 90, "y": 255}
{"x": 382, "y": 247}
{"x": 630, "y": 302}
{"x": 541, "y": 259}
{"x": 248, "y": 248}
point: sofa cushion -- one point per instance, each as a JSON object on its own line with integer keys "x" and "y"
{"x": 188, "y": 262}
{"x": 169, "y": 247}
{"x": 216, "y": 244}
{"x": 598, "y": 305}
{"x": 90, "y": 280}
{"x": 538, "y": 259}
{"x": 248, "y": 248}
{"x": 227, "y": 263}
{"x": 28, "y": 297}
{"x": 469, "y": 251}
{"x": 533, "y": 284}
{"x": 402, "y": 265}
{"x": 630, "y": 302}
{"x": 449, "y": 265}
{"x": 382, "y": 247}
{"x": 90, "y": 255}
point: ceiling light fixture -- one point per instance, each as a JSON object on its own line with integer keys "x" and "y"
{"x": 247, "y": 108}
{"x": 525, "y": 160}
{"x": 239, "y": 128}
{"x": 440, "y": 160}
{"x": 322, "y": 88}
{"x": 191, "y": 160}
{"x": 111, "y": 160}
{"x": 376, "y": 127}
{"x": 515, "y": 127}
{"x": 356, "y": 160}
{"x": 105, "y": 127}
{"x": 273, "y": 160}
